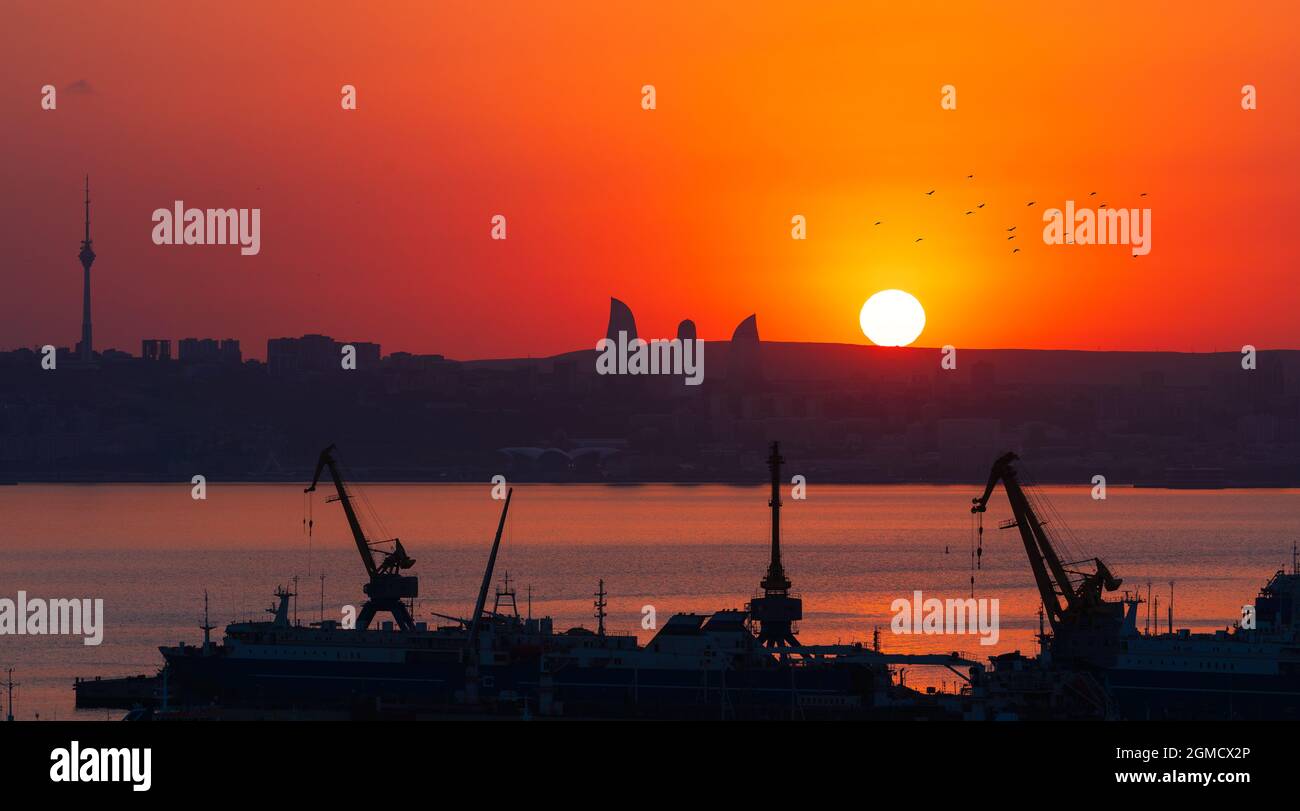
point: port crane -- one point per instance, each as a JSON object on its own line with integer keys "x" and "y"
{"x": 1085, "y": 625}
{"x": 387, "y": 586}
{"x": 472, "y": 639}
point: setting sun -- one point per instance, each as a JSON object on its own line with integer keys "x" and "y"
{"x": 892, "y": 318}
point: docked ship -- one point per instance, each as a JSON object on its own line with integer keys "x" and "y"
{"x": 733, "y": 663}
{"x": 1233, "y": 673}
{"x": 749, "y": 663}
{"x": 394, "y": 665}
{"x": 1239, "y": 672}
{"x": 743, "y": 663}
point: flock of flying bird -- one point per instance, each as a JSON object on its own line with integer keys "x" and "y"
{"x": 1010, "y": 230}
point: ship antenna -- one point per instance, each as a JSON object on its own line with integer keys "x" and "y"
{"x": 207, "y": 626}
{"x": 1148, "y": 608}
{"x": 600, "y": 607}
{"x": 1171, "y": 606}
{"x": 10, "y": 716}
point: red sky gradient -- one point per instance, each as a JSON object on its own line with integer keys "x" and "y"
{"x": 375, "y": 223}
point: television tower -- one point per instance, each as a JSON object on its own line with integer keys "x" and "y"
{"x": 87, "y": 257}
{"x": 776, "y": 611}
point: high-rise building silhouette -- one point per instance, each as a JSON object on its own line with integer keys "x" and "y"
{"x": 156, "y": 349}
{"x": 87, "y": 256}
{"x": 620, "y": 320}
{"x": 744, "y": 361}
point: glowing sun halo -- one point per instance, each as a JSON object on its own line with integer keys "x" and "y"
{"x": 892, "y": 318}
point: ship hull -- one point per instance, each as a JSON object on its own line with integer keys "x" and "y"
{"x": 286, "y": 684}
{"x": 415, "y": 687}
{"x": 776, "y": 693}
{"x": 1187, "y": 696}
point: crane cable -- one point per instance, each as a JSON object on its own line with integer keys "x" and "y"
{"x": 308, "y": 523}
{"x": 976, "y": 547}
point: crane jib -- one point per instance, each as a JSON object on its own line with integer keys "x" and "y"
{"x": 1082, "y": 591}
{"x": 388, "y": 586}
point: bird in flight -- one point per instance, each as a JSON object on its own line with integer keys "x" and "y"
{"x": 1092, "y": 194}
{"x": 918, "y": 239}
{"x": 1017, "y": 250}
{"x": 930, "y": 192}
{"x": 1013, "y": 236}
{"x": 981, "y": 205}
{"x": 1030, "y": 203}
{"x": 879, "y": 221}
{"x": 970, "y": 212}
{"x": 1012, "y": 228}
{"x": 1143, "y": 194}
{"x": 970, "y": 177}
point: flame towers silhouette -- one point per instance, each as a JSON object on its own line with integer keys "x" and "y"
{"x": 87, "y": 256}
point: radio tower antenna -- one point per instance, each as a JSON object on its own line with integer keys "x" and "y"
{"x": 87, "y": 257}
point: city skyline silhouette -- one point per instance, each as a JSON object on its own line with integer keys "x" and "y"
{"x": 378, "y": 220}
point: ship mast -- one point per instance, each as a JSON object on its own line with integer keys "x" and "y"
{"x": 207, "y": 626}
{"x": 776, "y": 611}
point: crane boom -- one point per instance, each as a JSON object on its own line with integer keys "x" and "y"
{"x": 1043, "y": 559}
{"x": 388, "y": 586}
{"x": 327, "y": 460}
{"x": 1050, "y": 574}
{"x": 487, "y": 575}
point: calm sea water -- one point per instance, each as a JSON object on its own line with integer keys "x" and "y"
{"x": 149, "y": 551}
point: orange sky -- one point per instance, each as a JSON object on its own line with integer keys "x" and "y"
{"x": 375, "y": 223}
